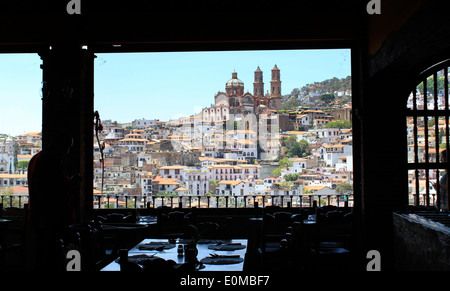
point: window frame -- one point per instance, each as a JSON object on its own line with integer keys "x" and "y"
{"x": 415, "y": 113}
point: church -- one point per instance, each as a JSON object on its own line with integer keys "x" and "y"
{"x": 234, "y": 101}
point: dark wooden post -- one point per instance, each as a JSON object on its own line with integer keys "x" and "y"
{"x": 68, "y": 107}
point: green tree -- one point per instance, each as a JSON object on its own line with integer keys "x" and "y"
{"x": 291, "y": 177}
{"x": 297, "y": 148}
{"x": 291, "y": 104}
{"x": 213, "y": 185}
{"x": 327, "y": 98}
{"x": 295, "y": 92}
{"x": 344, "y": 188}
{"x": 286, "y": 185}
{"x": 276, "y": 172}
{"x": 283, "y": 163}
{"x": 300, "y": 149}
{"x": 22, "y": 164}
{"x": 341, "y": 123}
{"x": 430, "y": 84}
{"x": 291, "y": 141}
{"x": 7, "y": 191}
{"x": 165, "y": 194}
{"x": 8, "y": 199}
{"x": 431, "y": 122}
{"x": 441, "y": 135}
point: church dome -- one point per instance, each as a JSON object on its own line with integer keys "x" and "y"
{"x": 234, "y": 82}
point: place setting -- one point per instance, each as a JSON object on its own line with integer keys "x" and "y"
{"x": 156, "y": 246}
{"x": 140, "y": 258}
{"x": 216, "y": 259}
{"x": 226, "y": 246}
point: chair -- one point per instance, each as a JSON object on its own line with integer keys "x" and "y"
{"x": 89, "y": 240}
{"x": 126, "y": 265}
{"x": 295, "y": 246}
{"x": 60, "y": 255}
{"x": 275, "y": 255}
{"x": 209, "y": 229}
{"x": 14, "y": 237}
{"x": 275, "y": 225}
{"x": 172, "y": 224}
{"x": 272, "y": 209}
{"x": 328, "y": 242}
{"x": 114, "y": 218}
{"x": 276, "y": 241}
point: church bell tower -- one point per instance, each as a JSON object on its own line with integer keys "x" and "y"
{"x": 275, "y": 89}
{"x": 258, "y": 85}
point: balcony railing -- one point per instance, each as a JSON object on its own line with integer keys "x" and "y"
{"x": 199, "y": 201}
{"x": 219, "y": 201}
{"x": 13, "y": 200}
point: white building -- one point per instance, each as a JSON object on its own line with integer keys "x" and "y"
{"x": 332, "y": 153}
{"x": 161, "y": 185}
{"x": 269, "y": 181}
{"x": 241, "y": 144}
{"x": 114, "y": 135}
{"x": 8, "y": 180}
{"x": 207, "y": 161}
{"x": 142, "y": 123}
{"x": 303, "y": 120}
{"x": 217, "y": 112}
{"x": 326, "y": 135}
{"x": 235, "y": 188}
{"x": 260, "y": 188}
{"x": 233, "y": 172}
{"x": 31, "y": 137}
{"x": 298, "y": 164}
{"x": 143, "y": 158}
{"x": 196, "y": 180}
{"x": 172, "y": 172}
{"x": 145, "y": 182}
{"x": 319, "y": 122}
{"x": 7, "y": 163}
{"x": 135, "y": 142}
{"x": 346, "y": 133}
{"x": 345, "y": 164}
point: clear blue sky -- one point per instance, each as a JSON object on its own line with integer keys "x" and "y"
{"x": 161, "y": 85}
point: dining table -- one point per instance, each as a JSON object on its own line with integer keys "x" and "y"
{"x": 213, "y": 254}
{"x": 4, "y": 222}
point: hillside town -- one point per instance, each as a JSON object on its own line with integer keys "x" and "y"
{"x": 241, "y": 145}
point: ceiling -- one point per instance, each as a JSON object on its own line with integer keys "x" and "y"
{"x": 133, "y": 25}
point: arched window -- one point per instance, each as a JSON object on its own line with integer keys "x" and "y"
{"x": 427, "y": 124}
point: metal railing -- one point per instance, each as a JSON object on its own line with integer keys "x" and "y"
{"x": 219, "y": 201}
{"x": 199, "y": 201}
{"x": 13, "y": 200}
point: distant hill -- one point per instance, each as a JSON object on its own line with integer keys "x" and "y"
{"x": 326, "y": 86}
{"x": 309, "y": 94}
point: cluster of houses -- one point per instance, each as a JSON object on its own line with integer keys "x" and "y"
{"x": 193, "y": 157}
{"x": 187, "y": 157}
{"x": 15, "y": 153}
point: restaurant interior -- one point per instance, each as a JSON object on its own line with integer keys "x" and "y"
{"x": 390, "y": 52}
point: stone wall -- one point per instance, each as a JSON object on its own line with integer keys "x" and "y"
{"x": 420, "y": 244}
